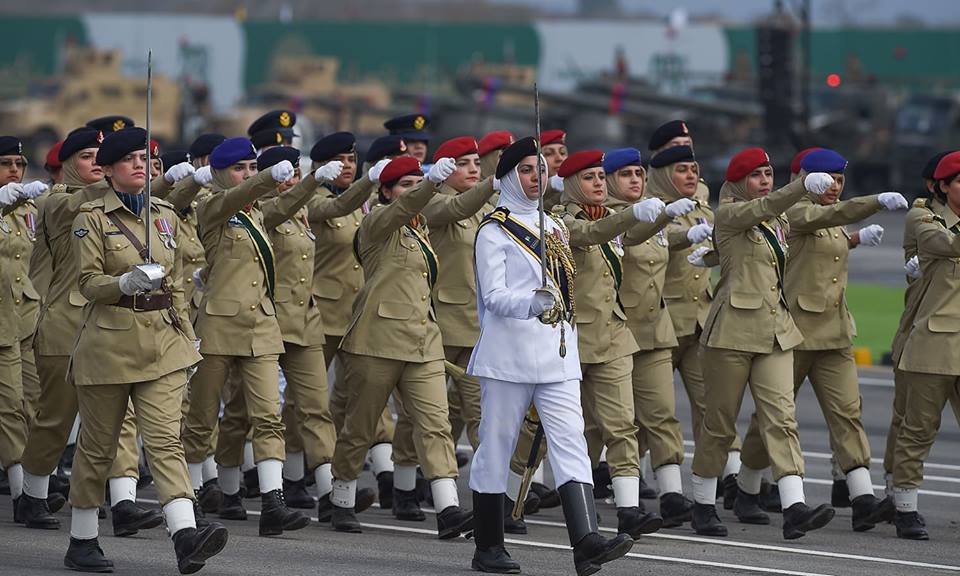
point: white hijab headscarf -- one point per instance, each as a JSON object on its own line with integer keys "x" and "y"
{"x": 512, "y": 196}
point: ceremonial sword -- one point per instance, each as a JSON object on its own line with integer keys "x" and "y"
{"x": 153, "y": 270}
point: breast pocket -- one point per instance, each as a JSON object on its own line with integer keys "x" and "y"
{"x": 115, "y": 318}
{"x": 395, "y": 310}
{"x": 118, "y": 253}
{"x": 237, "y": 242}
{"x": 746, "y": 300}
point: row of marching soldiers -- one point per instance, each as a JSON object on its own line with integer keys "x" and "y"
{"x": 272, "y": 276}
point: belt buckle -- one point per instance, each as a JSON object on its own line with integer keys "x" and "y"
{"x": 136, "y": 299}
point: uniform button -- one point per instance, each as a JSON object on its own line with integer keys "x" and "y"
{"x": 253, "y": 306}
{"x": 16, "y": 256}
{"x": 835, "y": 235}
{"x": 139, "y": 221}
{"x": 254, "y": 283}
{"x": 651, "y": 309}
{"x": 696, "y": 298}
{"x": 301, "y": 234}
{"x": 423, "y": 298}
{"x": 773, "y": 310}
{"x": 834, "y": 280}
{"x": 17, "y": 301}
{"x": 425, "y": 274}
{"x": 18, "y": 232}
{"x": 651, "y": 262}
{"x": 355, "y": 289}
{"x": 652, "y": 285}
{"x": 424, "y": 321}
{"x": 302, "y": 280}
{"x": 819, "y": 234}
{"x": 773, "y": 288}
{"x": 239, "y": 236}
{"x": 356, "y": 266}
{"x": 118, "y": 246}
{"x": 696, "y": 276}
{"x": 193, "y": 260}
{"x": 607, "y": 299}
{"x": 647, "y": 242}
{"x": 339, "y": 225}
{"x": 303, "y": 256}
{"x": 605, "y": 274}
{"x": 836, "y": 258}
{"x": 773, "y": 262}
{"x": 256, "y": 259}
{"x": 836, "y": 304}
{"x": 357, "y": 224}
{"x": 18, "y": 278}
{"x": 301, "y": 302}
{"x": 189, "y": 280}
{"x": 286, "y": 230}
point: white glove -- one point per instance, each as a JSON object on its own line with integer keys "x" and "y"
{"x": 282, "y": 171}
{"x": 696, "y": 257}
{"x": 699, "y": 233}
{"x": 203, "y": 176}
{"x": 178, "y": 172}
{"x": 33, "y": 189}
{"x": 871, "y": 235}
{"x": 892, "y": 201}
{"x": 198, "y": 279}
{"x": 441, "y": 170}
{"x": 10, "y": 193}
{"x": 329, "y": 171}
{"x": 912, "y": 267}
{"x": 496, "y": 184}
{"x": 376, "y": 170}
{"x": 818, "y": 182}
{"x": 648, "y": 210}
{"x": 543, "y": 300}
{"x": 680, "y": 207}
{"x": 556, "y": 183}
{"x": 196, "y": 344}
{"x": 135, "y": 281}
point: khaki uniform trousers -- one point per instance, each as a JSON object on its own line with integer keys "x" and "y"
{"x": 102, "y": 413}
{"x": 901, "y": 384}
{"x": 457, "y": 425}
{"x": 13, "y": 421}
{"x": 259, "y": 385}
{"x": 30, "y": 379}
{"x": 688, "y": 359}
{"x": 928, "y": 394}
{"x": 655, "y": 407}
{"x": 771, "y": 384}
{"x": 421, "y": 388}
{"x": 55, "y": 413}
{"x": 340, "y": 393}
{"x": 833, "y": 375}
{"x": 606, "y": 393}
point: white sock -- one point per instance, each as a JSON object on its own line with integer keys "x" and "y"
{"x": 626, "y": 491}
{"x": 733, "y": 463}
{"x": 444, "y": 493}
{"x": 888, "y": 481}
{"x": 906, "y": 499}
{"x": 35, "y": 486}
{"x": 230, "y": 479}
{"x": 84, "y": 524}
{"x": 381, "y": 456}
{"x": 74, "y": 432}
{"x": 704, "y": 490}
{"x": 293, "y": 466}
{"x": 405, "y": 477}
{"x": 749, "y": 480}
{"x": 859, "y": 482}
{"x": 179, "y": 515}
{"x": 791, "y": 490}
{"x": 248, "y": 462}
{"x": 344, "y": 494}
{"x": 196, "y": 474}
{"x": 209, "y": 469}
{"x": 603, "y": 454}
{"x": 835, "y": 470}
{"x": 669, "y": 480}
{"x": 270, "y": 473}
{"x": 15, "y": 478}
{"x": 324, "y": 478}
{"x": 538, "y": 474}
{"x": 768, "y": 474}
{"x": 514, "y": 481}
{"x": 122, "y": 488}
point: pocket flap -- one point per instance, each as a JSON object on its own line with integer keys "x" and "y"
{"x": 746, "y": 300}
{"x": 222, "y": 307}
{"x": 282, "y": 294}
{"x": 115, "y": 318}
{"x": 268, "y": 308}
{"x": 812, "y": 302}
{"x": 328, "y": 288}
{"x": 77, "y": 299}
{"x": 944, "y": 323}
{"x": 630, "y": 299}
{"x": 395, "y": 310}
{"x": 455, "y": 295}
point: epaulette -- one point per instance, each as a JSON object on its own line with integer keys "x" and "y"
{"x": 931, "y": 218}
{"x": 920, "y": 203}
{"x": 559, "y": 209}
{"x": 500, "y": 214}
{"x": 89, "y": 206}
{"x": 161, "y": 202}
{"x": 58, "y": 188}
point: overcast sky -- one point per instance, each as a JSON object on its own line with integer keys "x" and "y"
{"x": 825, "y": 12}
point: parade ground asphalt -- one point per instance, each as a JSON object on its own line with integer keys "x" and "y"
{"x": 390, "y": 547}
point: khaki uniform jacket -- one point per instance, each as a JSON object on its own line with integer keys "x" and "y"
{"x": 935, "y": 336}
{"x": 18, "y": 235}
{"x": 911, "y": 296}
{"x": 337, "y": 277}
{"x": 687, "y": 290}
{"x": 815, "y": 282}
{"x": 62, "y": 312}
{"x": 393, "y": 315}
{"x": 748, "y": 313}
{"x": 41, "y": 263}
{"x": 237, "y": 316}
{"x": 454, "y": 219}
{"x": 184, "y": 197}
{"x": 118, "y": 345}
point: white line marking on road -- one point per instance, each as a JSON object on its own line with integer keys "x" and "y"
{"x": 878, "y": 382}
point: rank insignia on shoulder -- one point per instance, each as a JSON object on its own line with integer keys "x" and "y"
{"x": 80, "y": 232}
{"x": 559, "y": 209}
{"x": 920, "y": 203}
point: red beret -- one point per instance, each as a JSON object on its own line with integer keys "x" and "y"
{"x": 745, "y": 162}
{"x": 548, "y": 137}
{"x": 456, "y": 147}
{"x": 948, "y": 166}
{"x": 53, "y": 160}
{"x": 400, "y": 167}
{"x": 579, "y": 161}
{"x": 154, "y": 148}
{"x": 494, "y": 141}
{"x": 795, "y": 163}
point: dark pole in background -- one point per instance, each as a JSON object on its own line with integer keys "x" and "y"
{"x": 806, "y": 57}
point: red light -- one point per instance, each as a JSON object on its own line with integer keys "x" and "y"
{"x": 833, "y": 80}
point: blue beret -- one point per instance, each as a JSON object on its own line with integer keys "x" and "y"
{"x": 204, "y": 144}
{"x": 409, "y": 126}
{"x": 333, "y": 145}
{"x": 174, "y": 157}
{"x": 823, "y": 160}
{"x": 672, "y": 155}
{"x": 617, "y": 159}
{"x": 667, "y": 132}
{"x": 277, "y": 155}
{"x": 10, "y": 146}
{"x": 273, "y": 120}
{"x": 385, "y": 146}
{"x": 231, "y": 151}
{"x": 108, "y": 124}
{"x": 118, "y": 144}
{"x": 80, "y": 139}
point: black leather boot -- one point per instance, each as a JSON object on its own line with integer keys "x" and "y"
{"x": 35, "y": 514}
{"x": 549, "y": 498}
{"x": 747, "y": 508}
{"x": 364, "y": 500}
{"x": 511, "y": 526}
{"x": 463, "y": 458}
{"x": 231, "y": 507}
{"x": 129, "y": 518}
{"x": 198, "y": 514}
{"x": 602, "y": 483}
{"x": 406, "y": 506}
{"x": 86, "y": 556}
{"x": 868, "y": 511}
{"x": 59, "y": 484}
{"x": 675, "y": 509}
{"x": 706, "y": 522}
{"x": 210, "y": 496}
{"x": 4, "y": 483}
{"x": 800, "y": 519}
{"x": 145, "y": 477}
{"x": 636, "y": 522}
{"x": 531, "y": 504}
{"x": 590, "y": 550}
{"x": 729, "y": 488}
{"x": 296, "y": 495}
{"x": 490, "y": 554}
{"x": 385, "y": 490}
{"x": 276, "y": 517}
{"x": 646, "y": 492}
{"x": 453, "y": 521}
{"x": 770, "y": 497}
{"x": 910, "y": 525}
{"x": 251, "y": 482}
{"x": 840, "y": 494}
{"x": 194, "y": 547}
{"x": 345, "y": 520}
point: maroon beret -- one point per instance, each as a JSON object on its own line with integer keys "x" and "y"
{"x": 580, "y": 161}
{"x": 745, "y": 162}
